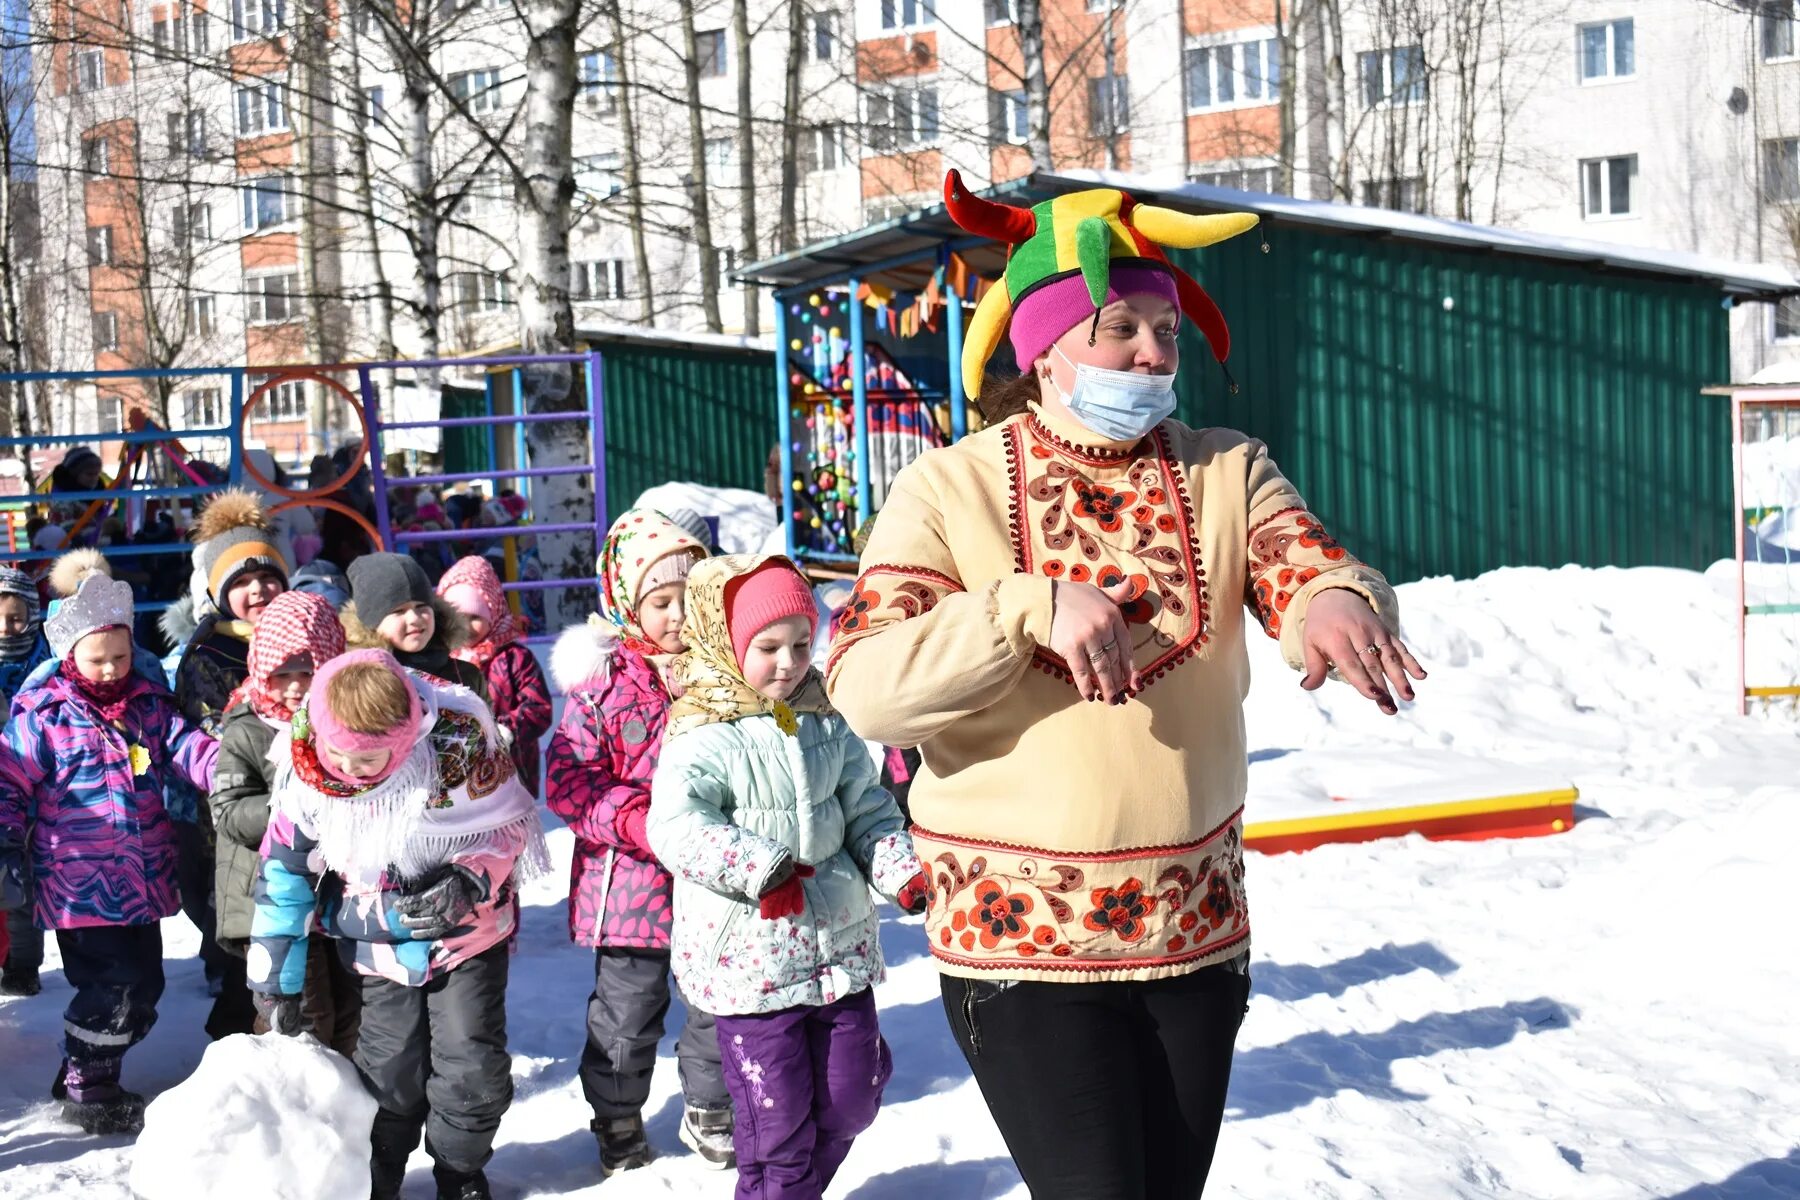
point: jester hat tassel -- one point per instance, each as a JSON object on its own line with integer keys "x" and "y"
{"x": 1083, "y": 234}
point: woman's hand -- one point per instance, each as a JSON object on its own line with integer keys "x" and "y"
{"x": 1088, "y": 632}
{"x": 1342, "y": 631}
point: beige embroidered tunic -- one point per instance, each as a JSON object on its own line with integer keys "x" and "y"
{"x": 1064, "y": 839}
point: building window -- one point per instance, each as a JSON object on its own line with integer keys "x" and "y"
{"x": 1109, "y": 104}
{"x": 199, "y": 32}
{"x": 1002, "y": 12}
{"x": 269, "y": 201}
{"x": 1781, "y": 170}
{"x": 374, "y": 106}
{"x": 106, "y": 331}
{"x": 1100, "y": 6}
{"x": 479, "y": 91}
{"x": 90, "y": 70}
{"x": 257, "y": 19}
{"x": 187, "y": 134}
{"x": 710, "y": 44}
{"x": 891, "y": 208}
{"x": 724, "y": 262}
{"x": 1233, "y": 75}
{"x": 823, "y": 148}
{"x": 1394, "y": 76}
{"x": 262, "y": 108}
{"x": 600, "y": 279}
{"x": 597, "y": 175}
{"x": 903, "y": 118}
{"x": 191, "y": 223}
{"x": 1777, "y": 21}
{"x": 1009, "y": 117}
{"x": 719, "y": 153}
{"x": 1400, "y": 195}
{"x": 1606, "y": 186}
{"x": 827, "y": 33}
{"x": 96, "y": 155}
{"x": 1244, "y": 179}
{"x": 203, "y": 408}
{"x": 100, "y": 245}
{"x": 599, "y": 80}
{"x": 486, "y": 194}
{"x": 271, "y": 299}
{"x": 907, "y": 14}
{"x": 109, "y": 411}
{"x": 484, "y": 291}
{"x": 286, "y": 401}
{"x": 1606, "y": 50}
{"x": 168, "y": 38}
{"x": 202, "y": 316}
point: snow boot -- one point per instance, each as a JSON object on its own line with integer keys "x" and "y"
{"x": 20, "y": 981}
{"x": 59, "y": 1087}
{"x": 122, "y": 1112}
{"x": 461, "y": 1185}
{"x": 387, "y": 1166}
{"x": 623, "y": 1146}
{"x": 707, "y": 1132}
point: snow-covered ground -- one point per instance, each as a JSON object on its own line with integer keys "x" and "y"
{"x": 1606, "y": 1013}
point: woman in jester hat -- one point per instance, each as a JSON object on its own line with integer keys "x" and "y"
{"x": 1069, "y": 655}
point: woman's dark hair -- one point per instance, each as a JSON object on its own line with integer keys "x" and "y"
{"x": 1003, "y": 396}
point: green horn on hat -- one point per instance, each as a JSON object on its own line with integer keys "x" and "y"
{"x": 1093, "y": 250}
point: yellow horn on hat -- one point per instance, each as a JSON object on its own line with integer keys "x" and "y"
{"x": 983, "y": 334}
{"x": 1188, "y": 231}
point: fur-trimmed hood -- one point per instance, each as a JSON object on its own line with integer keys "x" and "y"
{"x": 452, "y": 629}
{"x": 584, "y": 654}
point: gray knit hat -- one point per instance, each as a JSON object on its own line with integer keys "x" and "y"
{"x": 380, "y": 583}
{"x": 693, "y": 523}
{"x": 14, "y": 582}
{"x": 233, "y": 537}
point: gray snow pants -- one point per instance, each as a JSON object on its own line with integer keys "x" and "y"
{"x": 624, "y": 1024}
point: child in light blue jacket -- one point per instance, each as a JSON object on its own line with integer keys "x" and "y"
{"x": 770, "y": 813}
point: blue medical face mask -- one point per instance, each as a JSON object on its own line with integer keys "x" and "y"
{"x": 1120, "y": 406}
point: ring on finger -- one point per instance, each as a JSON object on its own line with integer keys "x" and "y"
{"x": 1372, "y": 650}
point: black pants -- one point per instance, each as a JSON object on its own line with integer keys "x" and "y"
{"x": 434, "y": 1057}
{"x": 1104, "y": 1091}
{"x": 117, "y": 974}
{"x": 233, "y": 1010}
{"x": 27, "y": 950}
{"x": 624, "y": 1024}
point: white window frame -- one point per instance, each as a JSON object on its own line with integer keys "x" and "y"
{"x": 1118, "y": 92}
{"x": 254, "y": 20}
{"x": 600, "y": 175}
{"x": 1777, "y": 17}
{"x": 257, "y": 294}
{"x": 916, "y": 134}
{"x": 251, "y": 191}
{"x": 1100, "y": 6}
{"x": 286, "y": 401}
{"x": 485, "y": 196}
{"x": 714, "y": 50}
{"x": 203, "y": 408}
{"x": 721, "y": 153}
{"x": 1417, "y": 88}
{"x": 1009, "y": 114}
{"x": 819, "y": 143}
{"x": 106, "y": 330}
{"x": 827, "y": 30}
{"x": 1609, "y": 54}
{"x": 199, "y": 32}
{"x": 1233, "y": 52}
{"x": 484, "y": 291}
{"x": 1391, "y": 193}
{"x": 1788, "y": 191}
{"x": 483, "y": 99}
{"x": 724, "y": 263}
{"x": 597, "y": 280}
{"x": 597, "y": 86}
{"x": 1240, "y": 175}
{"x": 187, "y": 133}
{"x": 260, "y": 107}
{"x": 102, "y": 249}
{"x": 1000, "y": 13}
{"x": 203, "y": 315}
{"x": 900, "y": 15}
{"x": 168, "y": 37}
{"x": 96, "y": 154}
{"x": 1604, "y": 179}
{"x": 374, "y": 105}
{"x": 184, "y": 229}
{"x": 90, "y": 70}
{"x": 109, "y": 412}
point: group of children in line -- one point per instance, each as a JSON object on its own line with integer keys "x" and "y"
{"x": 369, "y": 782}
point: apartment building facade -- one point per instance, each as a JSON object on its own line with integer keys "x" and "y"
{"x": 238, "y": 181}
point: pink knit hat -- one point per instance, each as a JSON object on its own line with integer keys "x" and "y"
{"x": 398, "y": 741}
{"x": 773, "y": 592}
{"x": 1046, "y": 313}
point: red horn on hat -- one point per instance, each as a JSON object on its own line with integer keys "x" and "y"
{"x": 1002, "y": 222}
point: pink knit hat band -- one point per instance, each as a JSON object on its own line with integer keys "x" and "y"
{"x": 773, "y": 592}
{"x": 1048, "y": 312}
{"x": 398, "y": 741}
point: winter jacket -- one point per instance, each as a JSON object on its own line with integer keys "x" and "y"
{"x": 239, "y": 805}
{"x": 732, "y": 803}
{"x": 211, "y": 668}
{"x": 14, "y": 672}
{"x": 602, "y": 759}
{"x": 101, "y": 843}
{"x": 434, "y": 659}
{"x": 520, "y": 698}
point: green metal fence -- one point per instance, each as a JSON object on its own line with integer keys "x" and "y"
{"x": 1452, "y": 412}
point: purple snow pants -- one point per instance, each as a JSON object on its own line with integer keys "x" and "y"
{"x": 805, "y": 1082}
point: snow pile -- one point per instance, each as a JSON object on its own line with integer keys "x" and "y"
{"x": 274, "y": 1117}
{"x": 745, "y": 519}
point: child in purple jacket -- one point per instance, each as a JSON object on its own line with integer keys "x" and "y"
{"x": 82, "y": 766}
{"x": 602, "y": 759}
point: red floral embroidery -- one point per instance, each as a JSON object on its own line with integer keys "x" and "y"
{"x": 1274, "y": 578}
{"x": 912, "y": 592}
{"x": 999, "y": 914}
{"x": 864, "y": 600}
{"x": 1120, "y": 910}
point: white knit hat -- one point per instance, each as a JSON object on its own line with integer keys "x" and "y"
{"x": 100, "y": 602}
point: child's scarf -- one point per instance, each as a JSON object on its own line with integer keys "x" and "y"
{"x": 716, "y": 689}
{"x": 111, "y": 697}
{"x": 637, "y": 541}
{"x": 455, "y": 791}
{"x": 294, "y": 624}
{"x": 477, "y": 574}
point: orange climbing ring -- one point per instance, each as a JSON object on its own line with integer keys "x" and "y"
{"x": 312, "y": 497}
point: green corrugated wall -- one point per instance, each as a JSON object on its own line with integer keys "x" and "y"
{"x": 676, "y": 413}
{"x": 1551, "y": 415}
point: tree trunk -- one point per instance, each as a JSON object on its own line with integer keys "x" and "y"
{"x": 425, "y": 227}
{"x": 696, "y": 181}
{"x": 1286, "y": 31}
{"x": 790, "y": 127}
{"x": 545, "y": 195}
{"x": 319, "y": 275}
{"x": 740, "y": 27}
{"x": 1037, "y": 84}
{"x": 633, "y": 165}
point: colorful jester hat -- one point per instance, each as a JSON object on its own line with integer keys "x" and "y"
{"x": 1072, "y": 256}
